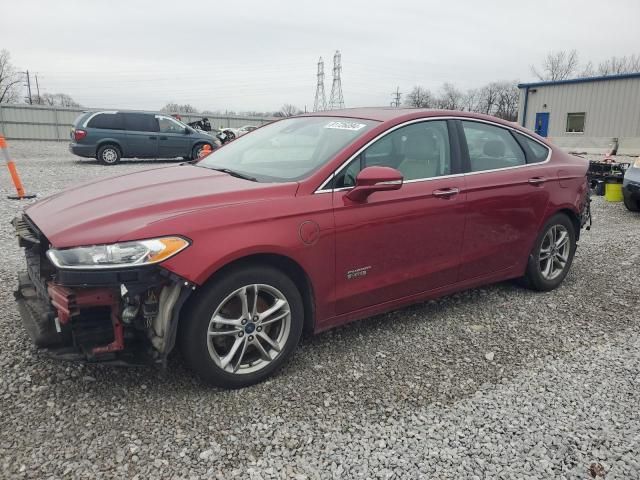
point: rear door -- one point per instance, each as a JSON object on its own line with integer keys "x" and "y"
{"x": 142, "y": 135}
{"x": 173, "y": 141}
{"x": 403, "y": 242}
{"x": 507, "y": 194}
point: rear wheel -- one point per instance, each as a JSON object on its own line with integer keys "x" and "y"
{"x": 242, "y": 327}
{"x": 552, "y": 254}
{"x": 109, "y": 154}
{"x": 632, "y": 204}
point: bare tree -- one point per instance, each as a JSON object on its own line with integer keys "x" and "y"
{"x": 420, "y": 97}
{"x": 288, "y": 110}
{"x": 9, "y": 79}
{"x": 471, "y": 100}
{"x": 172, "y": 107}
{"x": 58, "y": 100}
{"x": 508, "y": 99}
{"x": 558, "y": 65}
{"x": 450, "y": 97}
{"x": 619, "y": 65}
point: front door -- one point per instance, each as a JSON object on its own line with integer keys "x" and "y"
{"x": 542, "y": 123}
{"x": 506, "y": 200}
{"x": 403, "y": 242}
{"x": 173, "y": 141}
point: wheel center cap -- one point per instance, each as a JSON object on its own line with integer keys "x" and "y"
{"x": 250, "y": 327}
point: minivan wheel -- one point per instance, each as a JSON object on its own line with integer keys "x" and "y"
{"x": 240, "y": 328}
{"x": 108, "y": 154}
{"x": 552, "y": 254}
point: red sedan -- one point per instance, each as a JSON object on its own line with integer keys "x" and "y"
{"x": 302, "y": 225}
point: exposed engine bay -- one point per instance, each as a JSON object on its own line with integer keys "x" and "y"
{"x": 125, "y": 316}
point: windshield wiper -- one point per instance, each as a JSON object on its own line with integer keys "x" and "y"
{"x": 233, "y": 173}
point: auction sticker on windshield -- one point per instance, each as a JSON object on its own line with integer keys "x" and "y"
{"x": 345, "y": 125}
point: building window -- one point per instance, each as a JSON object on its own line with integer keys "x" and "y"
{"x": 575, "y": 122}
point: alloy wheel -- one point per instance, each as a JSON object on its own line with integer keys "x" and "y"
{"x": 554, "y": 252}
{"x": 109, "y": 155}
{"x": 249, "y": 329}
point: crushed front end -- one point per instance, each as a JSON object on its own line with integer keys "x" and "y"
{"x": 118, "y": 315}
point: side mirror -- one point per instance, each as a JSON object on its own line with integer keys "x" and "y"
{"x": 374, "y": 179}
{"x": 187, "y": 131}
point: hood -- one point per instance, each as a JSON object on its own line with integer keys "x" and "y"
{"x": 108, "y": 210}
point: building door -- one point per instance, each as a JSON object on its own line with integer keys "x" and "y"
{"x": 542, "y": 123}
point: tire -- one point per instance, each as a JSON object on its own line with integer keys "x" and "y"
{"x": 632, "y": 204}
{"x": 225, "y": 354}
{"x": 538, "y": 275}
{"x": 195, "y": 153}
{"x": 109, "y": 154}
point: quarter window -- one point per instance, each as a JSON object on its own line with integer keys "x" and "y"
{"x": 575, "y": 122}
{"x": 491, "y": 147}
{"x": 536, "y": 152}
{"x": 418, "y": 151}
{"x": 107, "y": 120}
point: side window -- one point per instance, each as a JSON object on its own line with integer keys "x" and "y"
{"x": 169, "y": 125}
{"x": 140, "y": 122}
{"x": 108, "y": 121}
{"x": 491, "y": 147}
{"x": 418, "y": 151}
{"x": 536, "y": 152}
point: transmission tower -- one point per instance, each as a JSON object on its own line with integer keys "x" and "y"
{"x": 336, "y": 101}
{"x": 320, "y": 103}
{"x": 396, "y": 98}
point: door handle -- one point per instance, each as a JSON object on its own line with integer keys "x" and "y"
{"x": 537, "y": 181}
{"x": 163, "y": 138}
{"x": 152, "y": 138}
{"x": 446, "y": 192}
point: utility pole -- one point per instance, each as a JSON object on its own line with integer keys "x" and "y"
{"x": 28, "y": 86}
{"x": 38, "y": 89}
{"x": 396, "y": 98}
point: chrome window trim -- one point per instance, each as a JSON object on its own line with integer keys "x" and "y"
{"x": 321, "y": 189}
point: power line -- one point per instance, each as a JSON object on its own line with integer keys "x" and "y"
{"x": 337, "y": 100}
{"x": 28, "y": 85}
{"x": 320, "y": 102}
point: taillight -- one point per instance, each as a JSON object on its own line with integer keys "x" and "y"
{"x": 79, "y": 135}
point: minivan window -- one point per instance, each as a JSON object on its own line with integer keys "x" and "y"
{"x": 140, "y": 122}
{"x": 107, "y": 120}
{"x": 169, "y": 125}
{"x": 289, "y": 149}
{"x": 491, "y": 147}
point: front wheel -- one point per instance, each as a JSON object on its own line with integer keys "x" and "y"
{"x": 197, "y": 150}
{"x": 552, "y": 254}
{"x": 242, "y": 327}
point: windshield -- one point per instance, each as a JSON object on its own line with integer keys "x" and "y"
{"x": 289, "y": 149}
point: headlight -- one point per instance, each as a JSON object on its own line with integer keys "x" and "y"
{"x": 118, "y": 255}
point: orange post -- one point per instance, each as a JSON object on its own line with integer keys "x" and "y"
{"x": 13, "y": 171}
{"x": 206, "y": 150}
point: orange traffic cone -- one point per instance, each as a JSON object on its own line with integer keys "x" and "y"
{"x": 15, "y": 178}
{"x": 206, "y": 150}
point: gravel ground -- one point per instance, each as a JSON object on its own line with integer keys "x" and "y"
{"x": 496, "y": 382}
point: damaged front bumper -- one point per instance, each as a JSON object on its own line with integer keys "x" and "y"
{"x": 127, "y": 316}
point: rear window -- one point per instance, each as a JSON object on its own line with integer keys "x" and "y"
{"x": 140, "y": 122}
{"x": 108, "y": 121}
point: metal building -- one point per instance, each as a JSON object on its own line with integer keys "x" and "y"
{"x": 585, "y": 114}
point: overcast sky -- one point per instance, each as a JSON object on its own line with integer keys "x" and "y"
{"x": 259, "y": 54}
